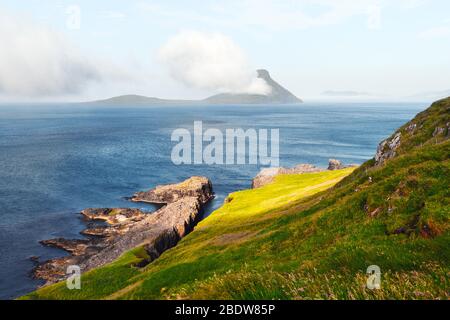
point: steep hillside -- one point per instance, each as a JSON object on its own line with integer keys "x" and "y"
{"x": 278, "y": 94}
{"x": 297, "y": 239}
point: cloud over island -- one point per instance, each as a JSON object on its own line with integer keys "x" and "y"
{"x": 210, "y": 61}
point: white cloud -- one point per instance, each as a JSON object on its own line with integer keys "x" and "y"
{"x": 304, "y": 14}
{"x": 307, "y": 13}
{"x": 374, "y": 17}
{"x": 413, "y": 4}
{"x": 113, "y": 15}
{"x": 210, "y": 61}
{"x": 280, "y": 15}
{"x": 36, "y": 61}
{"x": 436, "y": 32}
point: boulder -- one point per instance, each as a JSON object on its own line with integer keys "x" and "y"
{"x": 334, "y": 164}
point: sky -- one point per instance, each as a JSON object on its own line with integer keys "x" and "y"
{"x": 57, "y": 50}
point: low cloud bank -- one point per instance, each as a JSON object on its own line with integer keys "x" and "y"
{"x": 36, "y": 61}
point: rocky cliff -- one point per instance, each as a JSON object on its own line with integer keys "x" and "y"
{"x": 428, "y": 127}
{"x": 130, "y": 228}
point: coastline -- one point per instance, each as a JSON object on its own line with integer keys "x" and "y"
{"x": 128, "y": 229}
{"x": 136, "y": 259}
{"x": 99, "y": 173}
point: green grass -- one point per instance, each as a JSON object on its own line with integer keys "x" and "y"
{"x": 306, "y": 237}
{"x": 98, "y": 282}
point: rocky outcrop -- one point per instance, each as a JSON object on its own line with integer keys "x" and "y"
{"x": 75, "y": 247}
{"x": 129, "y": 228}
{"x": 199, "y": 187}
{"x": 387, "y": 149}
{"x": 113, "y": 216}
{"x": 431, "y": 126}
{"x": 445, "y": 131}
{"x": 334, "y": 164}
{"x": 267, "y": 176}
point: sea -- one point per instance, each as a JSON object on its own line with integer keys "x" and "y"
{"x": 57, "y": 159}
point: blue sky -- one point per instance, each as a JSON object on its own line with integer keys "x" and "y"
{"x": 367, "y": 48}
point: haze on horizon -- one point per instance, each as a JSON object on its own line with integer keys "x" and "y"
{"x": 318, "y": 49}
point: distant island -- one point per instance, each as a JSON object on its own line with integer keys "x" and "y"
{"x": 278, "y": 95}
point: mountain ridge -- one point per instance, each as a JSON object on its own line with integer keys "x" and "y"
{"x": 278, "y": 95}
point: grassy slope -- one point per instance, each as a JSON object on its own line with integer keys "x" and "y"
{"x": 298, "y": 239}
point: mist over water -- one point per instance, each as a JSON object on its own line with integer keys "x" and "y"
{"x": 56, "y": 160}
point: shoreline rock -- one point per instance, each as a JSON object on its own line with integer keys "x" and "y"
{"x": 114, "y": 215}
{"x": 267, "y": 176}
{"x": 75, "y": 247}
{"x": 130, "y": 228}
{"x": 199, "y": 187}
{"x": 334, "y": 164}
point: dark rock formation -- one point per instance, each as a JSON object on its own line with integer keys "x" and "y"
{"x": 387, "y": 149}
{"x": 113, "y": 216}
{"x": 199, "y": 187}
{"x": 334, "y": 164}
{"x": 99, "y": 232}
{"x": 75, "y": 247}
{"x": 130, "y": 228}
{"x": 441, "y": 130}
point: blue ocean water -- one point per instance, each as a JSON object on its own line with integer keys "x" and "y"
{"x": 56, "y": 160}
